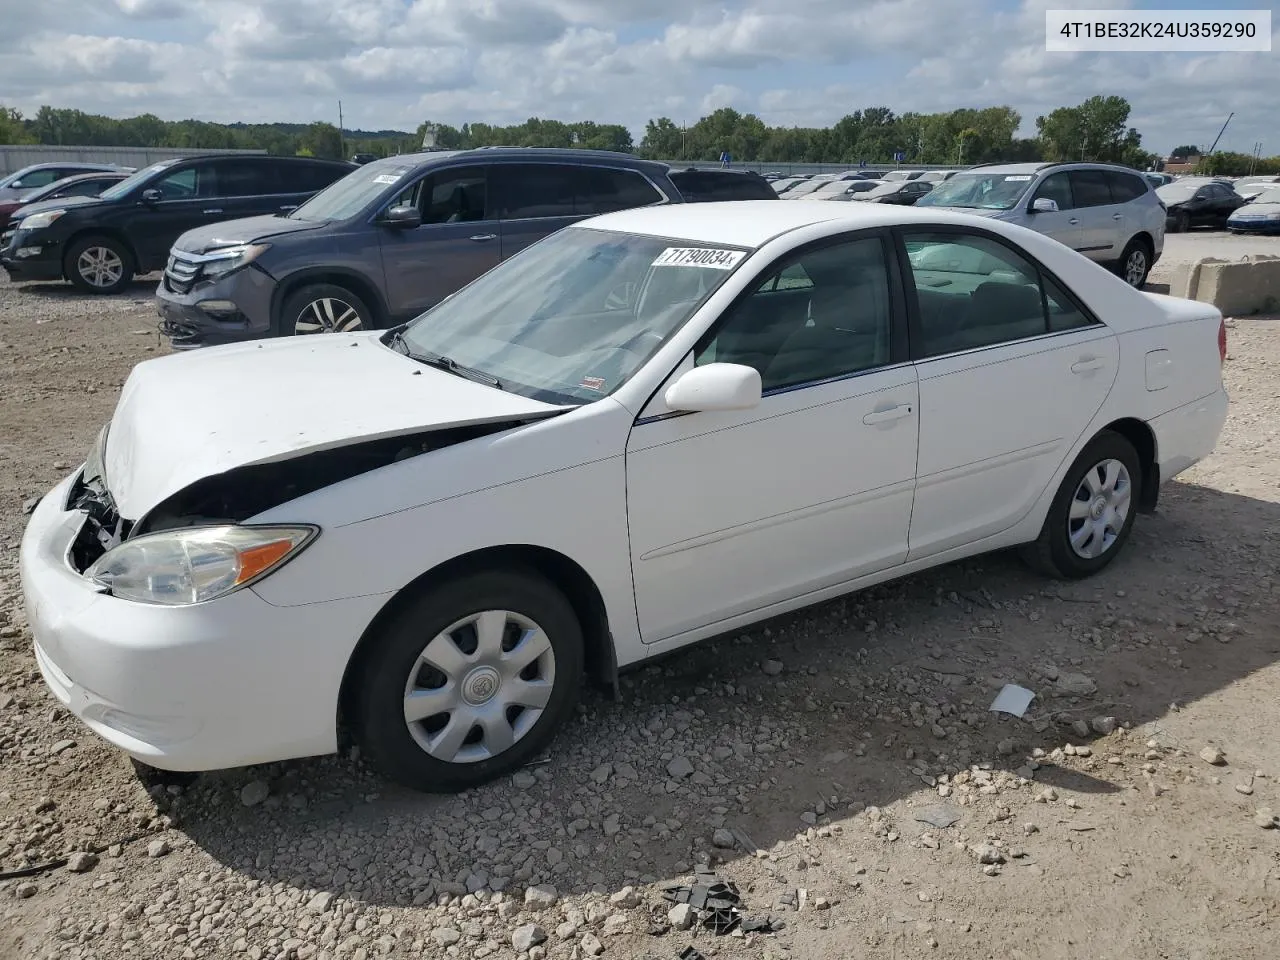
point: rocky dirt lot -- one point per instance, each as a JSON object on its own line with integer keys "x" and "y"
{"x": 842, "y": 760}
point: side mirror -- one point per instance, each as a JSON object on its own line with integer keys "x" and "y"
{"x": 151, "y": 195}
{"x": 402, "y": 218}
{"x": 1044, "y": 205}
{"x": 715, "y": 386}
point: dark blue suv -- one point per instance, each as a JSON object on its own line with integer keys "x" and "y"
{"x": 390, "y": 240}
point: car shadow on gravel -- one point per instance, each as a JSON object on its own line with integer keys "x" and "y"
{"x": 140, "y": 286}
{"x": 883, "y": 697}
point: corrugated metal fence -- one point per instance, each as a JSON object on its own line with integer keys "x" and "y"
{"x": 15, "y": 157}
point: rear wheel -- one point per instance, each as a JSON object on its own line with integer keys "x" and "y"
{"x": 99, "y": 265}
{"x": 1092, "y": 512}
{"x": 1135, "y": 263}
{"x": 469, "y": 680}
{"x": 324, "y": 308}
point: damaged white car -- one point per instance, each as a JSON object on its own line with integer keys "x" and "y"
{"x": 647, "y": 429}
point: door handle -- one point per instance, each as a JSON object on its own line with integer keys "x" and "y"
{"x": 214, "y": 210}
{"x": 886, "y": 416}
{"x": 482, "y": 237}
{"x": 1087, "y": 365}
{"x": 1117, "y": 216}
{"x": 290, "y": 206}
{"x": 1073, "y": 221}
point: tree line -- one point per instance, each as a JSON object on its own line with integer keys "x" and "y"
{"x": 1097, "y": 129}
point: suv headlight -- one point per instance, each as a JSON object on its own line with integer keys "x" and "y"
{"x": 38, "y": 221}
{"x": 196, "y": 564}
{"x": 218, "y": 263}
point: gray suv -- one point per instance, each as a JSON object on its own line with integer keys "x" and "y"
{"x": 388, "y": 241}
{"x": 1109, "y": 213}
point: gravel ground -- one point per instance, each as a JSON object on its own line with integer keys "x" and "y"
{"x": 802, "y": 759}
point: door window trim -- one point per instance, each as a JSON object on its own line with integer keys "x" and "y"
{"x": 916, "y": 334}
{"x": 568, "y": 163}
{"x": 898, "y": 333}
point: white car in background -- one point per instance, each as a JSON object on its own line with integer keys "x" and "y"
{"x": 649, "y": 428}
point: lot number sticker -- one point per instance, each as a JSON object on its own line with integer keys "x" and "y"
{"x": 387, "y": 178}
{"x": 699, "y": 257}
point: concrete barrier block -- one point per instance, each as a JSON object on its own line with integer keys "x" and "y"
{"x": 1236, "y": 287}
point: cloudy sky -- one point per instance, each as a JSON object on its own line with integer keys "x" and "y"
{"x": 395, "y": 63}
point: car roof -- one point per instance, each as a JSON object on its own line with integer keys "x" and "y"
{"x": 753, "y": 223}
{"x": 72, "y": 165}
{"x": 515, "y": 154}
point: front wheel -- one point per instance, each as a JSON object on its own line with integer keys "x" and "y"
{"x": 468, "y": 681}
{"x": 1092, "y": 513}
{"x": 99, "y": 265}
{"x": 324, "y": 308}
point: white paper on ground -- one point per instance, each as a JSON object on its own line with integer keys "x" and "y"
{"x": 1012, "y": 699}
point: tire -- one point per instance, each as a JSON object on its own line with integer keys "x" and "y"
{"x": 99, "y": 265}
{"x": 323, "y": 308}
{"x": 422, "y": 652}
{"x": 1135, "y": 263}
{"x": 1052, "y": 553}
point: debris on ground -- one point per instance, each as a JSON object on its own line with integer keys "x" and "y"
{"x": 1012, "y": 699}
{"x": 714, "y": 900}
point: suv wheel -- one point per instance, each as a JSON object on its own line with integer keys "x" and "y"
{"x": 99, "y": 265}
{"x": 1135, "y": 263}
{"x": 324, "y": 308}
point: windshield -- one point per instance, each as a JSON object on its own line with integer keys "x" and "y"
{"x": 344, "y": 198}
{"x": 125, "y": 186}
{"x": 978, "y": 191}
{"x": 573, "y": 317}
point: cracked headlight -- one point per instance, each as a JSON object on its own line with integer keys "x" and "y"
{"x": 218, "y": 263}
{"x": 196, "y": 564}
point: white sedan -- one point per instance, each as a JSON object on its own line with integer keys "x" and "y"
{"x": 650, "y": 428}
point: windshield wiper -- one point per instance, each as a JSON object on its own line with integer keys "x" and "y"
{"x": 441, "y": 362}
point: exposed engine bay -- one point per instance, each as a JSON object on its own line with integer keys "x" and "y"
{"x": 244, "y": 492}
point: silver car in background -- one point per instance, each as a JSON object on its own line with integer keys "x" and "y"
{"x": 1107, "y": 212}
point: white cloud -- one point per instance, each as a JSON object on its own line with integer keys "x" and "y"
{"x": 801, "y": 62}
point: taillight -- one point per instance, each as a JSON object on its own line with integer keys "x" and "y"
{"x": 1222, "y": 342}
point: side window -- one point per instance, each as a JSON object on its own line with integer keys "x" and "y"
{"x": 531, "y": 190}
{"x": 38, "y": 178}
{"x": 309, "y": 177}
{"x": 823, "y": 314}
{"x": 244, "y": 178}
{"x": 1204, "y": 193}
{"x": 85, "y": 188}
{"x": 601, "y": 190}
{"x": 1090, "y": 189}
{"x": 456, "y": 196}
{"x": 1063, "y": 312}
{"x": 972, "y": 292}
{"x": 1125, "y": 186}
{"x": 187, "y": 183}
{"x": 1056, "y": 187}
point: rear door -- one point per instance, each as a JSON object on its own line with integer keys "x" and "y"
{"x": 534, "y": 200}
{"x": 297, "y": 181}
{"x": 246, "y": 187}
{"x": 1094, "y": 207}
{"x": 1063, "y": 225}
{"x": 457, "y": 241}
{"x": 1011, "y": 371}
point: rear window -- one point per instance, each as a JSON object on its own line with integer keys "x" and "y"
{"x": 701, "y": 186}
{"x": 1126, "y": 186}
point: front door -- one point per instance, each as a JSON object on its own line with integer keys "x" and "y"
{"x": 1063, "y": 224}
{"x": 1011, "y": 372}
{"x": 1097, "y": 211}
{"x": 188, "y": 199}
{"x": 457, "y": 241}
{"x": 732, "y": 512}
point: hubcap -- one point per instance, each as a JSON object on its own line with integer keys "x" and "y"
{"x": 100, "y": 266}
{"x": 479, "y": 686}
{"x": 1099, "y": 509}
{"x": 1136, "y": 268}
{"x": 327, "y": 315}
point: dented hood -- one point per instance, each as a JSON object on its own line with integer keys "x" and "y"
{"x": 188, "y": 416}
